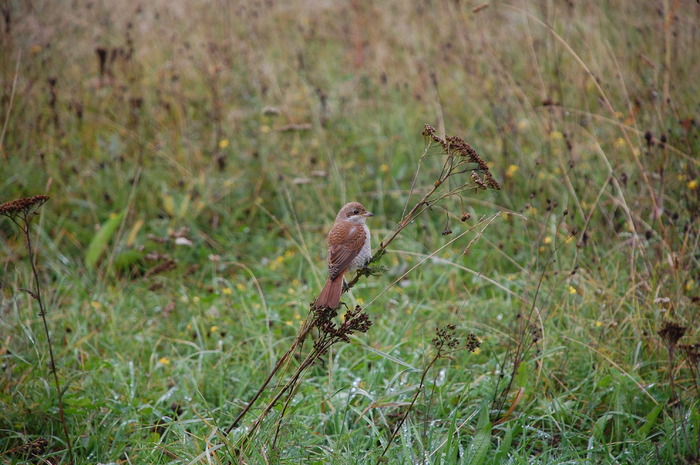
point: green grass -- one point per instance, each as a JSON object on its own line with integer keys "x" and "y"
{"x": 587, "y": 114}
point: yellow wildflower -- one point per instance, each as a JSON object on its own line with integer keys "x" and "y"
{"x": 512, "y": 169}
{"x": 164, "y": 361}
{"x": 274, "y": 264}
{"x": 223, "y": 143}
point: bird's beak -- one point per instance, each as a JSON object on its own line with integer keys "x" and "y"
{"x": 367, "y": 214}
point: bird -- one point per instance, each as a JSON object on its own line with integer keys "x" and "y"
{"x": 349, "y": 248}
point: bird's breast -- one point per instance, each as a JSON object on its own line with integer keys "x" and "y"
{"x": 365, "y": 254}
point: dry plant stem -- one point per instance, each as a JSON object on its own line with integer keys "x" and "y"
{"x": 291, "y": 395}
{"x": 300, "y": 338}
{"x": 25, "y": 218}
{"x": 354, "y": 320}
{"x": 410, "y": 407}
{"x": 42, "y": 312}
{"x": 292, "y": 382}
{"x": 313, "y": 322}
{"x": 308, "y": 361}
{"x": 521, "y": 347}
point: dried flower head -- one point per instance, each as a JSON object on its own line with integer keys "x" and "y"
{"x": 459, "y": 149}
{"x": 473, "y": 342}
{"x": 445, "y": 338}
{"x": 671, "y": 333}
{"x": 23, "y": 206}
{"x": 354, "y": 320}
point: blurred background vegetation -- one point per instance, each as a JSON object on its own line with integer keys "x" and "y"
{"x": 196, "y": 154}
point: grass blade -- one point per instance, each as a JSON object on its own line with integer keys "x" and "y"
{"x": 99, "y": 242}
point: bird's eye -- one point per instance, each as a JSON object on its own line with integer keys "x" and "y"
{"x": 355, "y": 212}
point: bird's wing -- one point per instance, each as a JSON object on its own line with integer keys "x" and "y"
{"x": 342, "y": 250}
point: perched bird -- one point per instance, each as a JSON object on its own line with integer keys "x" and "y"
{"x": 348, "y": 249}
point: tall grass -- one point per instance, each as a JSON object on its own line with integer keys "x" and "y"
{"x": 196, "y": 154}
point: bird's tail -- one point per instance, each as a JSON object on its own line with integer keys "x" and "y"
{"x": 330, "y": 295}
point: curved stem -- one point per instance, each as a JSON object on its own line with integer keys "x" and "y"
{"x": 410, "y": 407}
{"x": 278, "y": 365}
{"x": 42, "y": 313}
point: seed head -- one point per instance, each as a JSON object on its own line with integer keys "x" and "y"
{"x": 22, "y": 207}
{"x": 671, "y": 332}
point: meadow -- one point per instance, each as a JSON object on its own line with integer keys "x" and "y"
{"x": 196, "y": 153}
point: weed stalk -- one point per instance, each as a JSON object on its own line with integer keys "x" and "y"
{"x": 21, "y": 212}
{"x": 445, "y": 343}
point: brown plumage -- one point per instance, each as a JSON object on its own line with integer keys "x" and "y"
{"x": 348, "y": 248}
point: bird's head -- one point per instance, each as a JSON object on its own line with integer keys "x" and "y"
{"x": 354, "y": 212}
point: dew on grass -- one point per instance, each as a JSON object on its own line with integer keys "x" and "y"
{"x": 355, "y": 385}
{"x": 167, "y": 395}
{"x": 442, "y": 375}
